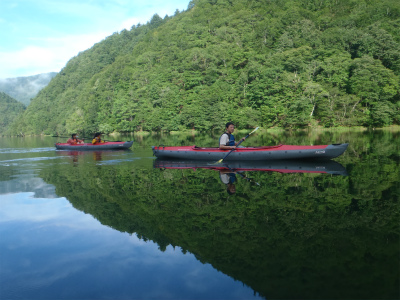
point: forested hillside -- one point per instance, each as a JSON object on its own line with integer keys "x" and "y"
{"x": 266, "y": 63}
{"x": 9, "y": 110}
{"x": 25, "y": 88}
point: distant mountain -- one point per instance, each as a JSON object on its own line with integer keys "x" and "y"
{"x": 24, "y": 89}
{"x": 9, "y": 110}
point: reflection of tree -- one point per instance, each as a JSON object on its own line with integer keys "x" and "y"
{"x": 296, "y": 234}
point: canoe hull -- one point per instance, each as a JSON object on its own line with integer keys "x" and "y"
{"x": 280, "y": 152}
{"x": 97, "y": 147}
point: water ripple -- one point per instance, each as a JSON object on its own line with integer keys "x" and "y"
{"x": 28, "y": 159}
{"x": 25, "y": 150}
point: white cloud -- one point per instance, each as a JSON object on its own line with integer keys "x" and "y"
{"x": 51, "y": 54}
{"x": 29, "y": 46}
{"x": 45, "y": 55}
{"x": 31, "y": 58}
{"x": 127, "y": 24}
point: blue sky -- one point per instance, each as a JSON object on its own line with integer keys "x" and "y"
{"x": 40, "y": 36}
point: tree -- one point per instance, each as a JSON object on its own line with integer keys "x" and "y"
{"x": 376, "y": 87}
{"x": 315, "y": 93}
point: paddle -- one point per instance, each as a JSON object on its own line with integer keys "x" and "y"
{"x": 87, "y": 138}
{"x": 67, "y": 137}
{"x": 241, "y": 175}
{"x": 220, "y": 161}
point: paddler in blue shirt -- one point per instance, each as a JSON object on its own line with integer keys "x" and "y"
{"x": 227, "y": 140}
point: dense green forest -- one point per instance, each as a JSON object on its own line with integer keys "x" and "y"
{"x": 9, "y": 110}
{"x": 314, "y": 235}
{"x": 264, "y": 63}
{"x": 25, "y": 88}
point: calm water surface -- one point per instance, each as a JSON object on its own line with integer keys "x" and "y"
{"x": 123, "y": 225}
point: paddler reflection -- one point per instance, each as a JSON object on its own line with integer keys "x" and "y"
{"x": 228, "y": 177}
{"x": 74, "y": 155}
{"x": 97, "y": 155}
{"x": 228, "y": 173}
{"x": 75, "y": 160}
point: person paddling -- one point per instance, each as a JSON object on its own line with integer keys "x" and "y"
{"x": 227, "y": 140}
{"x": 97, "y": 139}
{"x": 74, "y": 140}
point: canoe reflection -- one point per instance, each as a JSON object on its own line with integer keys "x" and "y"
{"x": 96, "y": 155}
{"x": 92, "y": 155}
{"x": 283, "y": 166}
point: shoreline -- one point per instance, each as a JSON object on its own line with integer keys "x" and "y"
{"x": 393, "y": 128}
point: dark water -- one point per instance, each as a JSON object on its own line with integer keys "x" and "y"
{"x": 122, "y": 225}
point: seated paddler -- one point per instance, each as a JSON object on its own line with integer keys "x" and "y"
{"x": 73, "y": 140}
{"x": 97, "y": 139}
{"x": 227, "y": 140}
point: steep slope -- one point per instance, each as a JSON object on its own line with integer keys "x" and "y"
{"x": 24, "y": 89}
{"x": 269, "y": 63}
{"x": 9, "y": 110}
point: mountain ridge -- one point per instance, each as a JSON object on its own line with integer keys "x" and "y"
{"x": 24, "y": 88}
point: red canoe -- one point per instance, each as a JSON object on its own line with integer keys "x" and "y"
{"x": 90, "y": 146}
{"x": 280, "y": 152}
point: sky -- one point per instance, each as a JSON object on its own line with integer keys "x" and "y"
{"x": 40, "y": 36}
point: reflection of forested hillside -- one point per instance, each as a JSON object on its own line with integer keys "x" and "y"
{"x": 297, "y": 235}
{"x": 258, "y": 63}
{"x": 6, "y": 173}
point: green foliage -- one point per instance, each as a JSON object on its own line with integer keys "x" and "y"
{"x": 10, "y": 109}
{"x": 267, "y": 63}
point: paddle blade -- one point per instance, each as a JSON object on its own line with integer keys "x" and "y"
{"x": 220, "y": 161}
{"x": 254, "y": 130}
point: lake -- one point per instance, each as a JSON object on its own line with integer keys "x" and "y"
{"x": 124, "y": 225}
